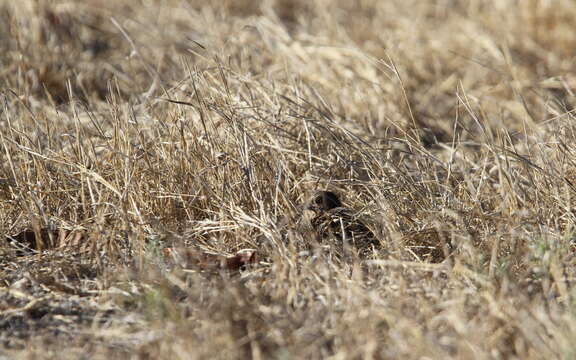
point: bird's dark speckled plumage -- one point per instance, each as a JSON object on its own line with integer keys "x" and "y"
{"x": 339, "y": 226}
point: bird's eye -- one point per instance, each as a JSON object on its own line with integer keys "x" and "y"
{"x": 318, "y": 200}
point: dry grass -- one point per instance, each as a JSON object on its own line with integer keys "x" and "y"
{"x": 154, "y": 124}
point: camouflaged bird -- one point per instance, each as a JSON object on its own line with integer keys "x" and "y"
{"x": 339, "y": 226}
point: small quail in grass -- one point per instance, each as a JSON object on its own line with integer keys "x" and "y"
{"x": 339, "y": 225}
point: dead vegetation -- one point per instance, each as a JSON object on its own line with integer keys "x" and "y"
{"x": 130, "y": 131}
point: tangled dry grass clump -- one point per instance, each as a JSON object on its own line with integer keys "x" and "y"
{"x": 135, "y": 135}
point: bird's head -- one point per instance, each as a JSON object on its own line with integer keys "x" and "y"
{"x": 323, "y": 201}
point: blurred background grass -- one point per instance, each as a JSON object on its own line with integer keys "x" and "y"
{"x": 147, "y": 124}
